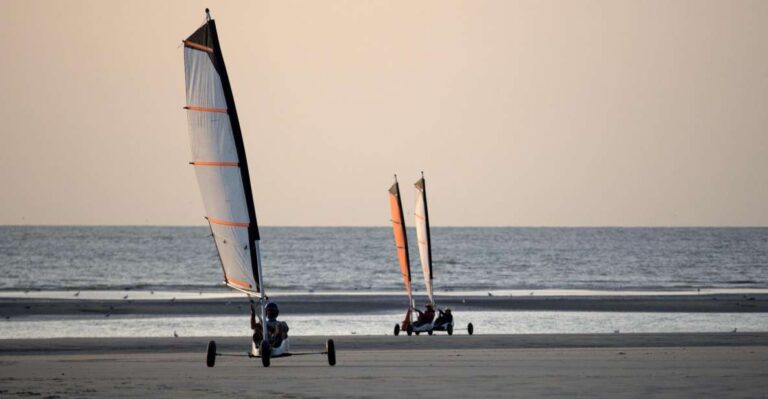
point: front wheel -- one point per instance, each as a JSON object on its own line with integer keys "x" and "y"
{"x": 397, "y": 329}
{"x": 266, "y": 352}
{"x": 210, "y": 359}
{"x": 470, "y": 329}
{"x": 449, "y": 329}
{"x": 429, "y": 332}
{"x": 331, "y": 349}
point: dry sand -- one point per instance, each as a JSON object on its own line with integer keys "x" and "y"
{"x": 590, "y": 365}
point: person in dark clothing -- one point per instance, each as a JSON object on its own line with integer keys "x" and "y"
{"x": 426, "y": 316}
{"x": 443, "y": 316}
{"x": 278, "y": 330}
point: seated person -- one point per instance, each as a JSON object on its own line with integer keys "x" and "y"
{"x": 278, "y": 330}
{"x": 426, "y": 316}
{"x": 444, "y": 316}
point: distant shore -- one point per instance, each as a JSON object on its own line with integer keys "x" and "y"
{"x": 346, "y": 304}
{"x": 543, "y": 366}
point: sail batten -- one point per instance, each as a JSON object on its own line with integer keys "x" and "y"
{"x": 423, "y": 234}
{"x": 214, "y": 163}
{"x": 220, "y": 161}
{"x": 228, "y": 223}
{"x": 205, "y": 109}
{"x": 197, "y": 46}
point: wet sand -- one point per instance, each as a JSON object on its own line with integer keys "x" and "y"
{"x": 589, "y": 365}
{"x": 341, "y": 304}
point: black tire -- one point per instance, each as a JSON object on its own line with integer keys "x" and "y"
{"x": 429, "y": 332}
{"x": 409, "y": 330}
{"x": 470, "y": 329}
{"x": 331, "y": 349}
{"x": 397, "y": 329}
{"x": 449, "y": 329}
{"x": 210, "y": 358}
{"x": 266, "y": 352}
{"x": 418, "y": 332}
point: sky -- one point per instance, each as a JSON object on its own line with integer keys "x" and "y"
{"x": 520, "y": 113}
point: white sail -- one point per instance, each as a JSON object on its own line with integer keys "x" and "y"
{"x": 219, "y": 160}
{"x": 423, "y": 235}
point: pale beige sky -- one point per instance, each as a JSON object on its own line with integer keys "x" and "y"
{"x": 521, "y": 113}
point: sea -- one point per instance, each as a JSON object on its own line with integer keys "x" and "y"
{"x": 42, "y": 261}
{"x": 360, "y": 259}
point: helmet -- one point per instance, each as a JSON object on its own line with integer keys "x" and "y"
{"x": 448, "y": 310}
{"x": 429, "y": 305}
{"x": 271, "y": 310}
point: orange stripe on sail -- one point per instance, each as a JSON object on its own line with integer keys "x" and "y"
{"x": 239, "y": 283}
{"x": 226, "y": 223}
{"x": 204, "y": 109}
{"x": 213, "y": 163}
{"x": 197, "y": 46}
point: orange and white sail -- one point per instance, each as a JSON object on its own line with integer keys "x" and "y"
{"x": 218, "y": 157}
{"x": 401, "y": 239}
{"x": 423, "y": 234}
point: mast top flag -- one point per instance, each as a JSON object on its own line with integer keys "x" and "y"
{"x": 219, "y": 160}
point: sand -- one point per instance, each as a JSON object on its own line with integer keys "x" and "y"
{"x": 590, "y": 365}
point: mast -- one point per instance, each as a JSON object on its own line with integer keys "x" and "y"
{"x": 423, "y": 234}
{"x": 401, "y": 238}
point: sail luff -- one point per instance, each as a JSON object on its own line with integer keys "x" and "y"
{"x": 401, "y": 238}
{"x": 423, "y": 235}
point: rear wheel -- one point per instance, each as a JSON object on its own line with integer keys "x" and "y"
{"x": 397, "y": 329}
{"x": 470, "y": 328}
{"x": 210, "y": 359}
{"x": 266, "y": 352}
{"x": 331, "y": 349}
{"x": 409, "y": 330}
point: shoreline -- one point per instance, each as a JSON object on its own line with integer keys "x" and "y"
{"x": 13, "y": 307}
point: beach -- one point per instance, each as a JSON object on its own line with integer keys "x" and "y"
{"x": 110, "y": 325}
{"x": 581, "y": 365}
